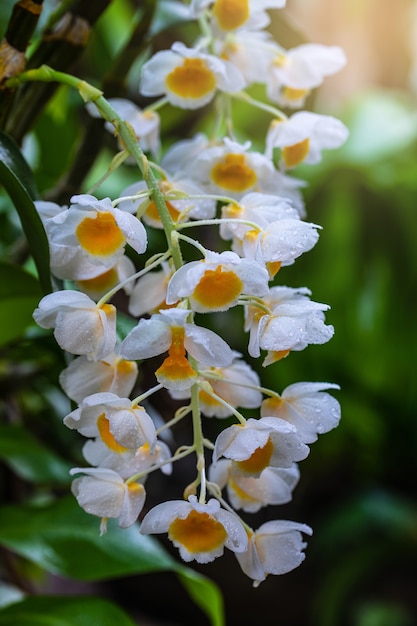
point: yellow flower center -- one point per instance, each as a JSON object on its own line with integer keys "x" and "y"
{"x": 294, "y": 94}
{"x": 109, "y": 311}
{"x": 192, "y": 79}
{"x": 153, "y": 214}
{"x": 251, "y": 235}
{"x": 100, "y": 235}
{"x": 273, "y": 268}
{"x": 239, "y": 491}
{"x": 233, "y": 173}
{"x": 258, "y": 460}
{"x": 231, "y": 14}
{"x": 101, "y": 283}
{"x": 136, "y": 488}
{"x": 229, "y": 49}
{"x": 275, "y": 355}
{"x": 218, "y": 288}
{"x": 233, "y": 211}
{"x": 176, "y": 366}
{"x": 272, "y": 406}
{"x": 198, "y": 532}
{"x": 124, "y": 368}
{"x": 295, "y": 154}
{"x": 207, "y": 399}
{"x": 280, "y": 60}
{"x": 107, "y": 437}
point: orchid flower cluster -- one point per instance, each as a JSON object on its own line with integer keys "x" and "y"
{"x": 250, "y": 199}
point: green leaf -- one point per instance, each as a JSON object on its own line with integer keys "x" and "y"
{"x": 16, "y": 177}
{"x": 124, "y": 325}
{"x": 63, "y": 611}
{"x": 11, "y": 156}
{"x": 169, "y": 13}
{"x": 63, "y": 539}
{"x": 20, "y": 293}
{"x": 204, "y": 593}
{"x": 29, "y": 459}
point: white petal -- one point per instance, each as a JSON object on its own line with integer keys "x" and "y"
{"x": 99, "y": 493}
{"x": 239, "y": 443}
{"x": 237, "y": 539}
{"x": 280, "y": 546}
{"x": 250, "y": 563}
{"x": 133, "y": 230}
{"x": 147, "y": 339}
{"x": 133, "y": 502}
{"x": 158, "y": 519}
{"x": 285, "y": 240}
{"x": 51, "y": 304}
{"x": 206, "y": 346}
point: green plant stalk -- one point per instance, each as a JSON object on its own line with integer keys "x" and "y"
{"x": 198, "y": 442}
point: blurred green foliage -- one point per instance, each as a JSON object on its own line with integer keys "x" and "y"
{"x": 358, "y": 485}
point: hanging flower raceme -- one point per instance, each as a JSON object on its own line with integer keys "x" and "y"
{"x": 170, "y": 331}
{"x": 216, "y": 282}
{"x": 80, "y": 325}
{"x": 200, "y": 531}
{"x": 187, "y": 77}
{"x": 89, "y": 237}
{"x": 275, "y": 548}
{"x": 251, "y": 198}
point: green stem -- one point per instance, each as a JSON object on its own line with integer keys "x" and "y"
{"x": 179, "y": 415}
{"x": 209, "y": 391}
{"x": 157, "y": 466}
{"x": 130, "y": 140}
{"x": 255, "y": 302}
{"x": 127, "y": 280}
{"x": 198, "y": 440}
{"x": 268, "y": 392}
{"x": 192, "y": 242}
{"x": 146, "y": 394}
{"x": 242, "y": 95}
{"x": 220, "y": 220}
{"x": 215, "y": 491}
